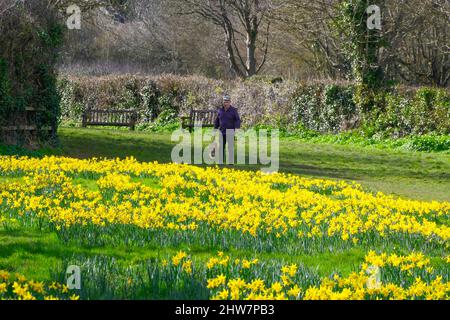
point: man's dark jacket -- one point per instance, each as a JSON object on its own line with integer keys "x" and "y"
{"x": 227, "y": 119}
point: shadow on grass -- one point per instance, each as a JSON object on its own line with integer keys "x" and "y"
{"x": 334, "y": 161}
{"x": 100, "y": 143}
{"x": 411, "y": 174}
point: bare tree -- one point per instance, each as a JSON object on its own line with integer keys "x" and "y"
{"x": 241, "y": 22}
{"x": 309, "y": 25}
{"x": 415, "y": 36}
{"x": 419, "y": 35}
{"x": 6, "y": 5}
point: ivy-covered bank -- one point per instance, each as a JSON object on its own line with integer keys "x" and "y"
{"x": 30, "y": 35}
{"x": 321, "y": 107}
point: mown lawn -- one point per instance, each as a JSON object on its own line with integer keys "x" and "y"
{"x": 416, "y": 175}
{"x": 37, "y": 254}
{"x": 424, "y": 176}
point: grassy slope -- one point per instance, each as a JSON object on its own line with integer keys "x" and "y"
{"x": 36, "y": 254}
{"x": 414, "y": 175}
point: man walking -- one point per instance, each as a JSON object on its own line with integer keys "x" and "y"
{"x": 227, "y": 122}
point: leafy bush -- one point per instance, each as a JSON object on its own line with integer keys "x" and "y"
{"x": 422, "y": 112}
{"x": 338, "y": 108}
{"x": 325, "y": 108}
{"x": 5, "y": 87}
{"x": 306, "y": 106}
{"x": 150, "y": 101}
{"x": 34, "y": 34}
{"x": 428, "y": 143}
{"x": 424, "y": 143}
{"x": 167, "y": 121}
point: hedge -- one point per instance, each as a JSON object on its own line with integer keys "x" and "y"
{"x": 320, "y": 106}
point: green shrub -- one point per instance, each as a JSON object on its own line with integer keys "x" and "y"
{"x": 131, "y": 98}
{"x": 71, "y": 103}
{"x": 324, "y": 108}
{"x": 424, "y": 111}
{"x": 150, "y": 101}
{"x": 306, "y": 106}
{"x": 338, "y": 108}
{"x": 428, "y": 143}
{"x": 5, "y": 88}
{"x": 34, "y": 34}
{"x": 423, "y": 143}
{"x": 431, "y": 111}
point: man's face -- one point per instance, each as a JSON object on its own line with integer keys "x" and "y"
{"x": 227, "y": 104}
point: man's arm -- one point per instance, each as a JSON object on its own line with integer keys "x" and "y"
{"x": 217, "y": 122}
{"x": 237, "y": 120}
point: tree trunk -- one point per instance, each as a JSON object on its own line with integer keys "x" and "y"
{"x": 251, "y": 51}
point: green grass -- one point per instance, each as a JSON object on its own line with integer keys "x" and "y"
{"x": 36, "y": 253}
{"x": 416, "y": 175}
{"x": 426, "y": 142}
{"x": 409, "y": 174}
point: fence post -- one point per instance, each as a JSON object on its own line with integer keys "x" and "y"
{"x": 84, "y": 120}
{"x": 133, "y": 120}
